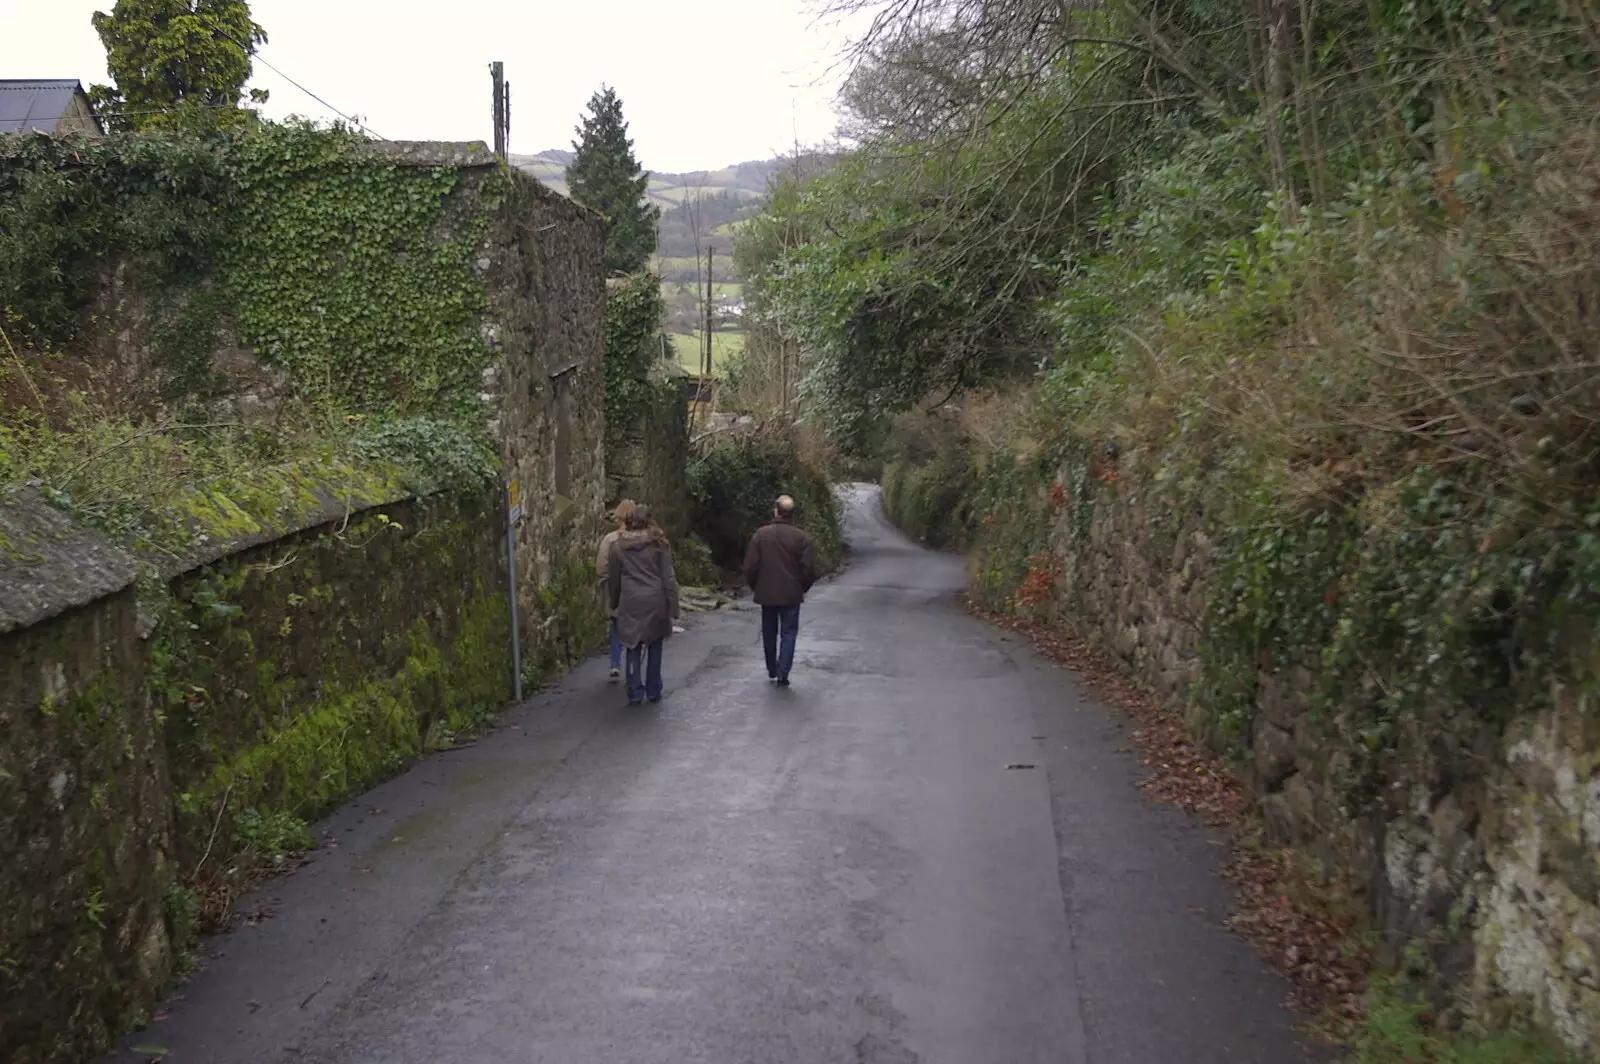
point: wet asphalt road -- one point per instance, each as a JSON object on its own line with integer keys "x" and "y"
{"x": 844, "y": 872}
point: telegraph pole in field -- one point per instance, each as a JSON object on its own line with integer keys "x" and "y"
{"x": 710, "y": 294}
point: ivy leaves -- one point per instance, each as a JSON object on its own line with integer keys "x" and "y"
{"x": 339, "y": 273}
{"x": 356, "y": 275}
{"x": 634, "y": 309}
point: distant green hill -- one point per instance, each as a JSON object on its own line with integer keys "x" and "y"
{"x": 746, "y": 182}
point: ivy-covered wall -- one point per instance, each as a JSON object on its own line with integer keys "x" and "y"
{"x": 275, "y": 378}
{"x": 209, "y": 311}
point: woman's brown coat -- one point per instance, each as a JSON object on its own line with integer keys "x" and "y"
{"x": 644, "y": 593}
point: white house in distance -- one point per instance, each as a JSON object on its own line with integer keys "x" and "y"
{"x": 54, "y": 106}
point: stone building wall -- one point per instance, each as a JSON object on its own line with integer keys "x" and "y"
{"x": 546, "y": 393}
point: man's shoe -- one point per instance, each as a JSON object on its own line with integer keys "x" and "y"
{"x": 782, "y": 681}
{"x": 616, "y": 675}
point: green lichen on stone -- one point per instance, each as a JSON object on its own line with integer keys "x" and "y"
{"x": 271, "y": 503}
{"x": 300, "y": 673}
{"x": 356, "y": 736}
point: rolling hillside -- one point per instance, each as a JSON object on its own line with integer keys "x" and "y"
{"x": 709, "y": 203}
{"x": 698, "y": 210}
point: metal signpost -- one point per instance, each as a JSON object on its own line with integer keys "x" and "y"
{"x": 513, "y": 519}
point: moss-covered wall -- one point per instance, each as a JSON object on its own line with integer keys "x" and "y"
{"x": 164, "y": 745}
{"x": 86, "y": 833}
{"x": 297, "y": 673}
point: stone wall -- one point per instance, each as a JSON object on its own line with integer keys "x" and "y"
{"x": 547, "y": 394}
{"x": 137, "y": 729}
{"x": 85, "y": 810}
{"x": 649, "y": 460}
{"x": 1492, "y": 875}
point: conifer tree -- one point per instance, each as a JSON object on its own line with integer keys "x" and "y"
{"x": 605, "y": 177}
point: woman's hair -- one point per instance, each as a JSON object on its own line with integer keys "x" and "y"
{"x": 641, "y": 520}
{"x": 623, "y": 511}
{"x": 637, "y": 519}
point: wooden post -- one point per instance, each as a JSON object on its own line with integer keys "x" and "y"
{"x": 497, "y": 71}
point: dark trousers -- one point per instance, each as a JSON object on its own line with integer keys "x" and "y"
{"x": 616, "y": 646}
{"x": 644, "y": 672}
{"x": 779, "y": 627}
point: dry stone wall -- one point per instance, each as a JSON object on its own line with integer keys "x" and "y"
{"x": 1492, "y": 875}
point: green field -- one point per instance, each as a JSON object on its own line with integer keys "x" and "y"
{"x": 720, "y": 290}
{"x": 725, "y": 347}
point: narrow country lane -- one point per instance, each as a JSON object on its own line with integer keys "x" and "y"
{"x": 845, "y": 871}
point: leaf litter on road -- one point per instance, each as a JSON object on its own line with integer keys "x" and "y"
{"x": 1279, "y": 909}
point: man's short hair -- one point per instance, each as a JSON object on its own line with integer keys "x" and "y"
{"x": 784, "y": 505}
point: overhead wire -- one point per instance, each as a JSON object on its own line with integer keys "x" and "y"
{"x": 256, "y": 56}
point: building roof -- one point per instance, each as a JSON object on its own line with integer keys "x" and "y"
{"x": 35, "y": 105}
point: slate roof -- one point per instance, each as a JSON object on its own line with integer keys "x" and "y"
{"x": 29, "y": 106}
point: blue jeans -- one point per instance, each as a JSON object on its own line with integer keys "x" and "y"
{"x": 616, "y": 646}
{"x": 644, "y": 672}
{"x": 779, "y": 627}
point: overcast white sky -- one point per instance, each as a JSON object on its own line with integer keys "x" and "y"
{"x": 703, "y": 84}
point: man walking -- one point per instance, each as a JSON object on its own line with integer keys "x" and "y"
{"x": 780, "y": 569}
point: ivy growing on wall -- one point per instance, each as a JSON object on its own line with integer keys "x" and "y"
{"x": 163, "y": 205}
{"x": 357, "y": 277}
{"x": 634, "y": 310}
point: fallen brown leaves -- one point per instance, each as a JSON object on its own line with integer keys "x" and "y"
{"x": 1318, "y": 948}
{"x": 1286, "y": 917}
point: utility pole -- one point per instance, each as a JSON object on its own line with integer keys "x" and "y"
{"x": 710, "y": 291}
{"x": 502, "y": 109}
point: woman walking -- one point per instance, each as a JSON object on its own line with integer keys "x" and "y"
{"x": 644, "y": 595}
{"x": 602, "y": 566}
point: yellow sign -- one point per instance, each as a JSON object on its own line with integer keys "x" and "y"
{"x": 513, "y": 502}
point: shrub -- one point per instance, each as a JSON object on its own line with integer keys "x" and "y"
{"x": 732, "y": 489}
